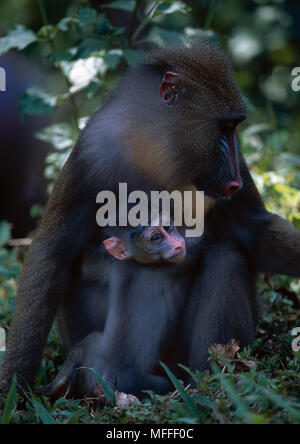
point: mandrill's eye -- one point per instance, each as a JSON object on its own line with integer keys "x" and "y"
{"x": 168, "y": 228}
{"x": 156, "y": 236}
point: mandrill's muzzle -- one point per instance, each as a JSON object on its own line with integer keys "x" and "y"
{"x": 230, "y": 166}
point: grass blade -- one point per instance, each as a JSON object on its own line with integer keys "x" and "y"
{"x": 44, "y": 416}
{"x": 191, "y": 406}
{"x": 108, "y": 391}
{"x": 11, "y": 402}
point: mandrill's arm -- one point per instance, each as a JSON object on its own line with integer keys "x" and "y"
{"x": 45, "y": 279}
{"x": 278, "y": 249}
{"x": 272, "y": 243}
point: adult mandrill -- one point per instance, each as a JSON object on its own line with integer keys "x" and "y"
{"x": 170, "y": 125}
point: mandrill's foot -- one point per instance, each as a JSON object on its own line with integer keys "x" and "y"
{"x": 125, "y": 400}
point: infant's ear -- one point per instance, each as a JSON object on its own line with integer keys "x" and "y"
{"x": 116, "y": 247}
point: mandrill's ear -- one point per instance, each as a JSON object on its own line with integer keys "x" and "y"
{"x": 116, "y": 247}
{"x": 169, "y": 87}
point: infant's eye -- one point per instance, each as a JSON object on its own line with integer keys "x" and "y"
{"x": 156, "y": 237}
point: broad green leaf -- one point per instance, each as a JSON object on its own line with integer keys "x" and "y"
{"x": 160, "y": 36}
{"x": 104, "y": 27}
{"x": 4, "y": 233}
{"x": 133, "y": 56}
{"x": 113, "y": 58}
{"x": 44, "y": 416}
{"x": 60, "y": 135}
{"x": 89, "y": 47}
{"x": 11, "y": 402}
{"x": 125, "y": 5}
{"x": 18, "y": 37}
{"x": 37, "y": 101}
{"x": 91, "y": 90}
{"x": 86, "y": 16}
{"x": 60, "y": 56}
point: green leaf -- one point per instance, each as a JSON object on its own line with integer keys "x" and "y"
{"x": 241, "y": 406}
{"x": 48, "y": 32}
{"x": 284, "y": 404}
{"x": 191, "y": 406}
{"x": 109, "y": 393}
{"x": 4, "y": 233}
{"x": 61, "y": 56}
{"x": 204, "y": 402}
{"x": 18, "y": 37}
{"x": 113, "y": 58}
{"x": 92, "y": 88}
{"x": 172, "y": 7}
{"x": 60, "y": 135}
{"x": 64, "y": 24}
{"x": 10, "y": 273}
{"x": 74, "y": 419}
{"x": 160, "y": 36}
{"x": 7, "y": 256}
{"x": 133, "y": 56}
{"x": 104, "y": 27}
{"x": 11, "y": 402}
{"x": 37, "y": 101}
{"x": 125, "y": 5}
{"x": 44, "y": 416}
{"x": 86, "y": 16}
{"x": 89, "y": 47}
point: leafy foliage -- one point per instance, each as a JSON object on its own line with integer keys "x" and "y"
{"x": 9, "y": 272}
{"x": 17, "y": 38}
{"x": 84, "y": 53}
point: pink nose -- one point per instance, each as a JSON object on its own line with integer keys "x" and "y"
{"x": 231, "y": 188}
{"x": 179, "y": 247}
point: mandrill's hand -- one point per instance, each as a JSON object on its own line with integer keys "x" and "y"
{"x": 78, "y": 376}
